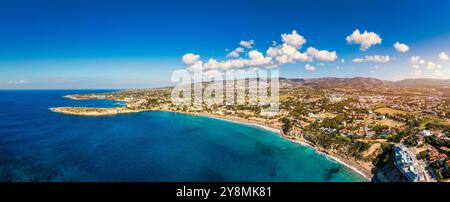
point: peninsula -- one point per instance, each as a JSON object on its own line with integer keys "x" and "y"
{"x": 90, "y": 111}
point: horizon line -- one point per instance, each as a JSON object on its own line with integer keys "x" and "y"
{"x": 288, "y": 78}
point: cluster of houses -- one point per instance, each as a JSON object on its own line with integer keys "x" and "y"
{"x": 428, "y": 105}
{"x": 135, "y": 103}
{"x": 334, "y": 98}
{"x": 433, "y": 154}
{"x": 372, "y": 99}
{"x": 420, "y": 138}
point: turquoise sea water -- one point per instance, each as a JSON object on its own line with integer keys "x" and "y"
{"x": 39, "y": 145}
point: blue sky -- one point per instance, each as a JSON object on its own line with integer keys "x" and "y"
{"x": 135, "y": 44}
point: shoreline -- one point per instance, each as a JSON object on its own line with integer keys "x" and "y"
{"x": 93, "y": 111}
{"x": 340, "y": 160}
{"x": 354, "y": 166}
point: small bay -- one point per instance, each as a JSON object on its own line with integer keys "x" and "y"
{"x": 39, "y": 145}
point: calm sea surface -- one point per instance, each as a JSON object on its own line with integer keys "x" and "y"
{"x": 39, "y": 145}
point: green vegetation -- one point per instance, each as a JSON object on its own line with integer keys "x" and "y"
{"x": 287, "y": 125}
{"x": 345, "y": 121}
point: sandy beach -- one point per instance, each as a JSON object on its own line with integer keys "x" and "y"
{"x": 364, "y": 171}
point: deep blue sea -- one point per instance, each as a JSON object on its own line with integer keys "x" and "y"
{"x": 37, "y": 144}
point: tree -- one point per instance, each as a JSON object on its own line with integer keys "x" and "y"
{"x": 287, "y": 125}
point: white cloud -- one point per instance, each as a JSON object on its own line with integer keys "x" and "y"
{"x": 443, "y": 56}
{"x": 196, "y": 66}
{"x": 254, "y": 54}
{"x": 286, "y": 54}
{"x": 416, "y": 66}
{"x": 190, "y": 58}
{"x": 365, "y": 40}
{"x": 373, "y": 58}
{"x": 416, "y": 60}
{"x": 432, "y": 69}
{"x": 440, "y": 75}
{"x": 235, "y": 53}
{"x": 212, "y": 64}
{"x": 417, "y": 73}
{"x": 401, "y": 47}
{"x": 432, "y": 65}
{"x": 18, "y": 82}
{"x": 293, "y": 39}
{"x": 247, "y": 44}
{"x": 256, "y": 59}
{"x": 321, "y": 55}
{"x": 310, "y": 67}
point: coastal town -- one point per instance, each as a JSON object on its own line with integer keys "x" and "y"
{"x": 387, "y": 131}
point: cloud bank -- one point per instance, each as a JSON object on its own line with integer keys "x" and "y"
{"x": 289, "y": 51}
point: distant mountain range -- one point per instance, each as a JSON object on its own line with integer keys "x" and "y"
{"x": 363, "y": 82}
{"x": 424, "y": 83}
{"x": 423, "y": 86}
